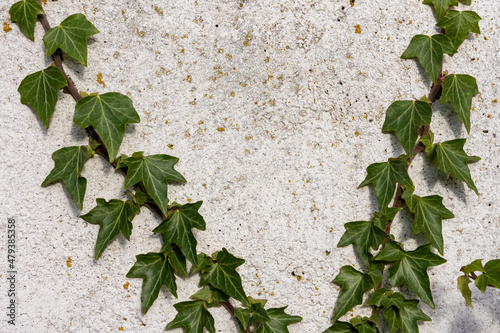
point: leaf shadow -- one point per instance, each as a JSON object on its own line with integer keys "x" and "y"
{"x": 451, "y": 118}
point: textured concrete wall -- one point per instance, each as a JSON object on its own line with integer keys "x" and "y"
{"x": 275, "y": 109}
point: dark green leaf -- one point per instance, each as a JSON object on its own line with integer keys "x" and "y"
{"x": 193, "y": 316}
{"x": 204, "y": 263}
{"x": 452, "y": 160}
{"x": 383, "y": 298}
{"x": 381, "y": 218}
{"x": 457, "y": 25}
{"x": 69, "y": 163}
{"x": 411, "y": 266}
{"x": 459, "y": 90}
{"x": 364, "y": 234}
{"x": 176, "y": 259}
{"x": 463, "y": 285}
{"x": 354, "y": 285}
{"x": 108, "y": 113}
{"x": 429, "y": 212}
{"x": 25, "y": 13}
{"x": 113, "y": 217}
{"x": 441, "y": 6}
{"x": 156, "y": 271}
{"x": 341, "y": 327}
{"x": 243, "y": 316}
{"x": 279, "y": 321}
{"x": 177, "y": 228}
{"x": 491, "y": 276}
{"x": 153, "y": 171}
{"x": 71, "y": 37}
{"x": 39, "y": 90}
{"x": 222, "y": 275}
{"x": 365, "y": 324}
{"x": 429, "y": 51}
{"x": 384, "y": 176}
{"x": 405, "y": 318}
{"x": 405, "y": 117}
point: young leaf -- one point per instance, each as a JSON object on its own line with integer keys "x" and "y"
{"x": 459, "y": 90}
{"x": 156, "y": 271}
{"x": 25, "y": 13}
{"x": 457, "y": 25}
{"x": 354, "y": 285}
{"x": 153, "y": 171}
{"x": 383, "y": 298}
{"x": 405, "y": 117}
{"x": 364, "y": 234}
{"x": 193, "y": 316}
{"x": 405, "y": 318}
{"x": 491, "y": 276}
{"x": 279, "y": 321}
{"x": 177, "y": 229}
{"x": 210, "y": 295}
{"x": 452, "y": 160}
{"x": 113, "y": 217}
{"x": 384, "y": 176}
{"x": 39, "y": 91}
{"x": 69, "y": 163}
{"x": 429, "y": 212}
{"x": 411, "y": 266}
{"x": 365, "y": 324}
{"x": 341, "y": 327}
{"x": 463, "y": 285}
{"x": 222, "y": 275}
{"x": 108, "y": 113}
{"x": 71, "y": 37}
{"x": 429, "y": 51}
{"x": 441, "y": 6}
{"x": 474, "y": 266}
{"x": 381, "y": 218}
{"x": 243, "y": 316}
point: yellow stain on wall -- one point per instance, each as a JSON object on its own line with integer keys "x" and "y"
{"x": 69, "y": 262}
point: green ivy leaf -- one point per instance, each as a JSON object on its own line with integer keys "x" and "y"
{"x": 71, "y": 37}
{"x": 243, "y": 316}
{"x": 404, "y": 118}
{"x": 474, "y": 266}
{"x": 441, "y": 6}
{"x": 155, "y": 270}
{"x": 452, "y": 160}
{"x": 354, "y": 285}
{"x": 341, "y": 327}
{"x": 177, "y": 228}
{"x": 108, "y": 113}
{"x": 365, "y": 324}
{"x": 384, "y": 176}
{"x": 491, "y": 276}
{"x": 459, "y": 90}
{"x": 457, "y": 25}
{"x": 429, "y": 51}
{"x": 463, "y": 285}
{"x": 222, "y": 275}
{"x": 364, "y": 234}
{"x": 113, "y": 217}
{"x": 25, "y": 13}
{"x": 210, "y": 295}
{"x": 381, "y": 218}
{"x": 153, "y": 171}
{"x": 193, "y": 316}
{"x": 39, "y": 90}
{"x": 383, "y": 298}
{"x": 177, "y": 259}
{"x": 204, "y": 263}
{"x": 411, "y": 266}
{"x": 69, "y": 163}
{"x": 279, "y": 321}
{"x": 429, "y": 212}
{"x": 256, "y": 313}
{"x": 405, "y": 318}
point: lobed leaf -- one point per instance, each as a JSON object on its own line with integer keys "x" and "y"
{"x": 114, "y": 217}
{"x": 341, "y": 327}
{"x": 429, "y": 51}
{"x": 108, "y": 114}
{"x": 384, "y": 176}
{"x": 153, "y": 171}
{"x": 210, "y": 295}
{"x": 474, "y": 266}
{"x": 71, "y": 37}
{"x": 459, "y": 90}
{"x": 441, "y": 6}
{"x": 405, "y": 317}
{"x": 404, "y": 118}
{"x": 156, "y": 271}
{"x": 279, "y": 321}
{"x": 457, "y": 25}
{"x": 25, "y": 13}
{"x": 193, "y": 316}
{"x": 490, "y": 277}
{"x": 429, "y": 212}
{"x": 177, "y": 228}
{"x": 411, "y": 266}
{"x": 69, "y": 163}
{"x": 222, "y": 275}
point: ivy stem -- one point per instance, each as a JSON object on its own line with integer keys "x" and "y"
{"x": 101, "y": 149}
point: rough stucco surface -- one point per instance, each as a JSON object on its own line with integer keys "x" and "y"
{"x": 275, "y": 109}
